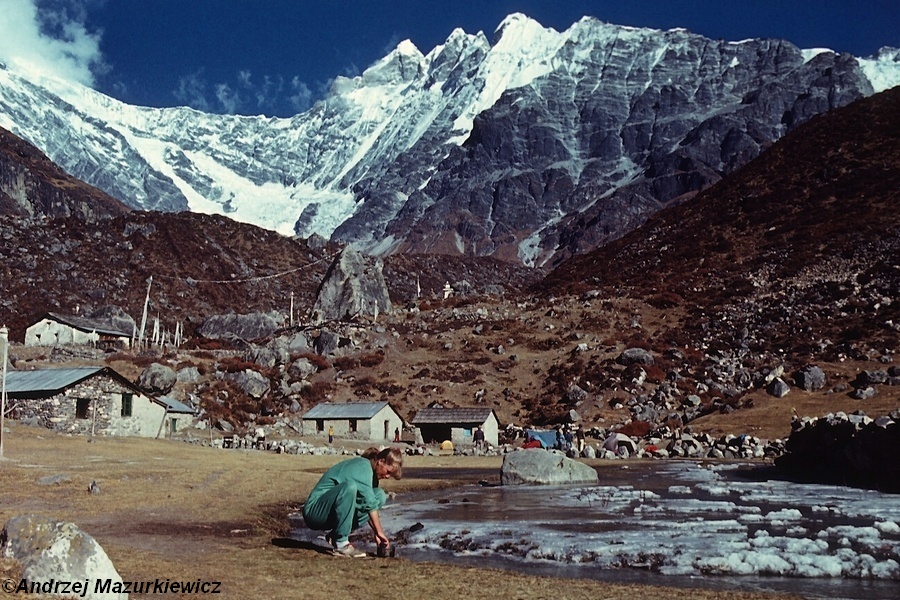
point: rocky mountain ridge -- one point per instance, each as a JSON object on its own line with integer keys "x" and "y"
{"x": 530, "y": 148}
{"x": 707, "y": 316}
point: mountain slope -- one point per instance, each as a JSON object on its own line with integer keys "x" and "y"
{"x": 798, "y": 252}
{"x": 70, "y": 248}
{"x": 530, "y": 148}
{"x": 31, "y": 185}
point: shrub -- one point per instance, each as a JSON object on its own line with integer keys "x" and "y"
{"x": 317, "y": 392}
{"x": 234, "y": 364}
{"x": 345, "y": 363}
{"x": 320, "y": 362}
{"x": 371, "y": 360}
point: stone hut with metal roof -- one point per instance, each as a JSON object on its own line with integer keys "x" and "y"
{"x": 91, "y": 400}
{"x": 371, "y": 421}
{"x": 54, "y": 329}
{"x": 457, "y": 425}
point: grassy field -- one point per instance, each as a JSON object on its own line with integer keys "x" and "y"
{"x": 176, "y": 511}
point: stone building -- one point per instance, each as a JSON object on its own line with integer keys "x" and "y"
{"x": 457, "y": 425}
{"x": 375, "y": 421}
{"x": 54, "y": 329}
{"x": 91, "y": 400}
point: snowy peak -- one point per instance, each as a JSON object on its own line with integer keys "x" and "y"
{"x": 883, "y": 69}
{"x": 403, "y": 63}
{"x": 504, "y": 148}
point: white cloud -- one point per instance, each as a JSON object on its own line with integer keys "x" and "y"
{"x": 50, "y": 38}
{"x": 301, "y": 99}
{"x": 244, "y": 95}
{"x": 229, "y": 99}
{"x": 192, "y": 91}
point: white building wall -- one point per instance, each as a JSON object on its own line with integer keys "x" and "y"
{"x": 380, "y": 428}
{"x": 48, "y": 332}
{"x": 383, "y": 424}
{"x": 145, "y": 418}
{"x": 464, "y": 435}
{"x": 491, "y": 428}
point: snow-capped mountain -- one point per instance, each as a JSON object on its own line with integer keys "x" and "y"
{"x": 530, "y": 147}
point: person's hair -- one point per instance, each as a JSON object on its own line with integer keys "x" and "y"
{"x": 391, "y": 456}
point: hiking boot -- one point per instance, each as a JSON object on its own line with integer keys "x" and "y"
{"x": 350, "y": 551}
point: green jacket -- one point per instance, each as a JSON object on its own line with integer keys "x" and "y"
{"x": 358, "y": 470}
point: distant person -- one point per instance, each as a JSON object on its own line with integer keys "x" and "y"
{"x": 569, "y": 439}
{"x": 331, "y": 434}
{"x": 347, "y": 497}
{"x": 478, "y": 436}
{"x": 397, "y": 435}
{"x": 579, "y": 439}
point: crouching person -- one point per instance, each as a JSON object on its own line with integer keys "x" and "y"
{"x": 347, "y": 497}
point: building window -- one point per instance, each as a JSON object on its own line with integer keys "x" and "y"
{"x": 81, "y": 407}
{"x": 352, "y": 425}
{"x": 126, "y": 404}
{"x": 320, "y": 424}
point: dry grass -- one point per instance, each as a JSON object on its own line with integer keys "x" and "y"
{"x": 172, "y": 510}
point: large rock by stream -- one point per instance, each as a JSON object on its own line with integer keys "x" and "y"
{"x": 843, "y": 449}
{"x": 535, "y": 466}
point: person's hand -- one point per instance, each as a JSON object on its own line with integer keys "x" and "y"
{"x": 382, "y": 540}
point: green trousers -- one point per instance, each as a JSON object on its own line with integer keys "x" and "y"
{"x": 339, "y": 510}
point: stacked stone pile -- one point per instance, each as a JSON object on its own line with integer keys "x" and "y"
{"x": 666, "y": 442}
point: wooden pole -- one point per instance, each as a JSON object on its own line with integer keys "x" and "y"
{"x": 93, "y": 415}
{"x": 144, "y": 318}
{"x": 165, "y": 414}
{"x": 4, "y": 339}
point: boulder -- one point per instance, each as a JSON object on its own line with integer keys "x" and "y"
{"x": 188, "y": 374}
{"x": 302, "y": 368}
{"x": 251, "y": 382}
{"x": 115, "y": 317}
{"x": 810, "y": 378}
{"x": 778, "y": 388}
{"x": 157, "y": 379}
{"x": 353, "y": 286}
{"x": 536, "y": 466}
{"x": 328, "y": 342}
{"x": 251, "y": 326}
{"x": 51, "y": 550}
{"x": 633, "y": 356}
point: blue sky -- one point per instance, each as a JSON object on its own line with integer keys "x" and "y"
{"x": 276, "y": 57}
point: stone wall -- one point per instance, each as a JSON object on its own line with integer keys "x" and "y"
{"x": 103, "y": 397}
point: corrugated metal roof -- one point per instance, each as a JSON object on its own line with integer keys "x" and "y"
{"x": 474, "y": 416}
{"x": 348, "y": 410}
{"x": 88, "y": 325}
{"x": 46, "y": 380}
{"x": 174, "y": 406}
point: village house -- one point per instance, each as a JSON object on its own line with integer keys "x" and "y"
{"x": 375, "y": 421}
{"x": 437, "y": 425}
{"x": 54, "y": 329}
{"x": 91, "y": 400}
